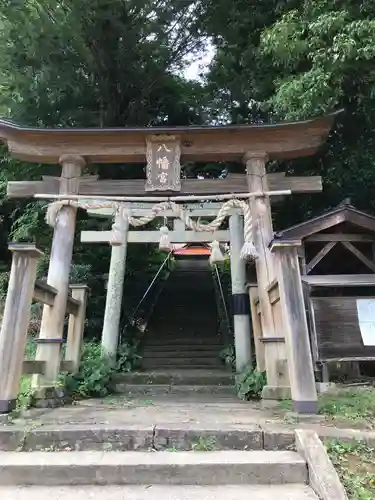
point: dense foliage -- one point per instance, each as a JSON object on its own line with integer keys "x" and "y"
{"x": 250, "y": 383}
{"x": 121, "y": 62}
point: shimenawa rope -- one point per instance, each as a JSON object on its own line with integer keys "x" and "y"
{"x": 122, "y": 212}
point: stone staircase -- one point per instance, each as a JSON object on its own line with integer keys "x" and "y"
{"x": 108, "y": 454}
{"x": 183, "y": 331}
{"x": 181, "y": 382}
{"x": 259, "y": 475}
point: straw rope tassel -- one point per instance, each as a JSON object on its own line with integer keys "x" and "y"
{"x": 216, "y": 253}
{"x": 165, "y": 241}
{"x": 248, "y": 250}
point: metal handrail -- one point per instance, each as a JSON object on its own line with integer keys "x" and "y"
{"x": 150, "y": 285}
{"x": 223, "y": 298}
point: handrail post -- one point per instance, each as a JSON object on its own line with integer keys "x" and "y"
{"x": 15, "y": 324}
{"x": 76, "y": 327}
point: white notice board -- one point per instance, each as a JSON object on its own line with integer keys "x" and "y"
{"x": 366, "y": 320}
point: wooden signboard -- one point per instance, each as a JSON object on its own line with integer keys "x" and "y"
{"x": 342, "y": 329}
{"x": 163, "y": 171}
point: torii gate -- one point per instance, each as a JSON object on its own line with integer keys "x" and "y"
{"x": 283, "y": 327}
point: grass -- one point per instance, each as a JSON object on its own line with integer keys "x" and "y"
{"x": 355, "y": 464}
{"x": 25, "y": 395}
{"x": 202, "y": 444}
{"x": 30, "y": 349}
{"x": 205, "y": 444}
{"x": 350, "y": 406}
{"x": 24, "y": 398}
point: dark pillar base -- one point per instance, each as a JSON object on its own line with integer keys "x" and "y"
{"x": 240, "y": 303}
{"x": 305, "y": 407}
{"x": 7, "y": 405}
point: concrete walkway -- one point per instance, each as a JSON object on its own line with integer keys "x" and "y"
{"x": 200, "y": 409}
{"x": 287, "y": 492}
{"x": 154, "y": 418}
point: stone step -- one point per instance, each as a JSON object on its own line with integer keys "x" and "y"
{"x": 190, "y": 283}
{"x": 178, "y": 390}
{"x": 178, "y": 360}
{"x": 174, "y": 345}
{"x": 188, "y": 290}
{"x": 192, "y": 338}
{"x": 178, "y": 347}
{"x": 183, "y": 363}
{"x": 178, "y": 333}
{"x": 156, "y": 468}
{"x": 177, "y": 377}
{"x": 188, "y": 346}
{"x": 164, "y": 366}
{"x": 184, "y": 328}
{"x": 174, "y": 349}
{"x": 188, "y": 295}
{"x": 208, "y": 318}
{"x": 157, "y": 492}
{"x": 169, "y": 304}
{"x": 142, "y": 437}
{"x": 187, "y": 352}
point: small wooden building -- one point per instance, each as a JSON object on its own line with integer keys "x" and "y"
{"x": 337, "y": 259}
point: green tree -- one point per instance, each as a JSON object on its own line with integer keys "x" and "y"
{"x": 324, "y": 56}
{"x": 292, "y": 59}
{"x": 99, "y": 63}
{"x": 240, "y": 77}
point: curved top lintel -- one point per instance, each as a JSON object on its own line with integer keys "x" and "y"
{"x": 206, "y": 143}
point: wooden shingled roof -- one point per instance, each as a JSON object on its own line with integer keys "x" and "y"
{"x": 341, "y": 214}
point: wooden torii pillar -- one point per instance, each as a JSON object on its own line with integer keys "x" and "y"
{"x": 287, "y": 351}
{"x": 53, "y": 317}
{"x": 277, "y": 386}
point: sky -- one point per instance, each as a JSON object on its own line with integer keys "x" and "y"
{"x": 200, "y": 64}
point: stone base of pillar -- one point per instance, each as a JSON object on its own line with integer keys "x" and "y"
{"x": 50, "y": 397}
{"x": 306, "y": 418}
{"x": 276, "y": 392}
{"x": 5, "y": 418}
{"x": 242, "y": 340}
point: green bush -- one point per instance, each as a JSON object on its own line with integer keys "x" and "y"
{"x": 25, "y": 395}
{"x": 228, "y": 356}
{"x": 94, "y": 376}
{"x": 128, "y": 357}
{"x": 250, "y": 383}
